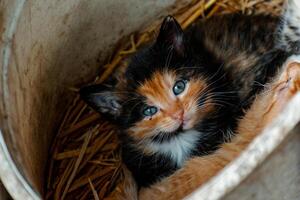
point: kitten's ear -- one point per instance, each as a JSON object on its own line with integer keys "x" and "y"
{"x": 171, "y": 35}
{"x": 103, "y": 99}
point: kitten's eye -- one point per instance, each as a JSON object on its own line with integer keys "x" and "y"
{"x": 179, "y": 87}
{"x": 149, "y": 111}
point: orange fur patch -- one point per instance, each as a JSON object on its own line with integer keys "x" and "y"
{"x": 158, "y": 91}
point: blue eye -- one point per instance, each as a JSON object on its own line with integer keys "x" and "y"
{"x": 179, "y": 87}
{"x": 149, "y": 111}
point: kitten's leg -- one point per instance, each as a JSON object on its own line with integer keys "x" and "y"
{"x": 199, "y": 170}
{"x": 289, "y": 29}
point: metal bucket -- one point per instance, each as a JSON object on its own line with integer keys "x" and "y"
{"x": 48, "y": 46}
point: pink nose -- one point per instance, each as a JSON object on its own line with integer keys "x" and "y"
{"x": 178, "y": 115}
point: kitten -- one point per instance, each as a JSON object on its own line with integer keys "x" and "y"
{"x": 182, "y": 96}
{"x": 171, "y": 106}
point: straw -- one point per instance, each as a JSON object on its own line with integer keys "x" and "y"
{"x": 96, "y": 197}
{"x": 76, "y": 166}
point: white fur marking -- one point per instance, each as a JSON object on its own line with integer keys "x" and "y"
{"x": 178, "y": 148}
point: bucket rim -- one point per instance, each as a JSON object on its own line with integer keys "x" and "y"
{"x": 14, "y": 182}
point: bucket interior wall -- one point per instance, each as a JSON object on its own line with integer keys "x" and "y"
{"x": 46, "y": 47}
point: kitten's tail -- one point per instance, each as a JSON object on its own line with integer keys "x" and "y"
{"x": 289, "y": 28}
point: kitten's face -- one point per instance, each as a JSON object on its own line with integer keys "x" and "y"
{"x": 171, "y": 103}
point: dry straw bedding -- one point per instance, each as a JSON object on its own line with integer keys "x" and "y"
{"x": 85, "y": 160}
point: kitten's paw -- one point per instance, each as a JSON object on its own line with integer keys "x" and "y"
{"x": 270, "y": 103}
{"x": 289, "y": 81}
{"x": 291, "y": 73}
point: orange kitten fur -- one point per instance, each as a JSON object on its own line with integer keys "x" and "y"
{"x": 199, "y": 170}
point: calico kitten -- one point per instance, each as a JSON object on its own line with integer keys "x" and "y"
{"x": 171, "y": 106}
{"x": 182, "y": 96}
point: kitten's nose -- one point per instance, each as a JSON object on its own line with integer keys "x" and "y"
{"x": 178, "y": 115}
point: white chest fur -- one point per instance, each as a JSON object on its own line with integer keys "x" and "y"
{"x": 178, "y": 148}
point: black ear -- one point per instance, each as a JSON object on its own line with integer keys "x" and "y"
{"x": 171, "y": 35}
{"x": 103, "y": 99}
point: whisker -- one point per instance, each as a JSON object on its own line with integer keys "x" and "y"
{"x": 169, "y": 57}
